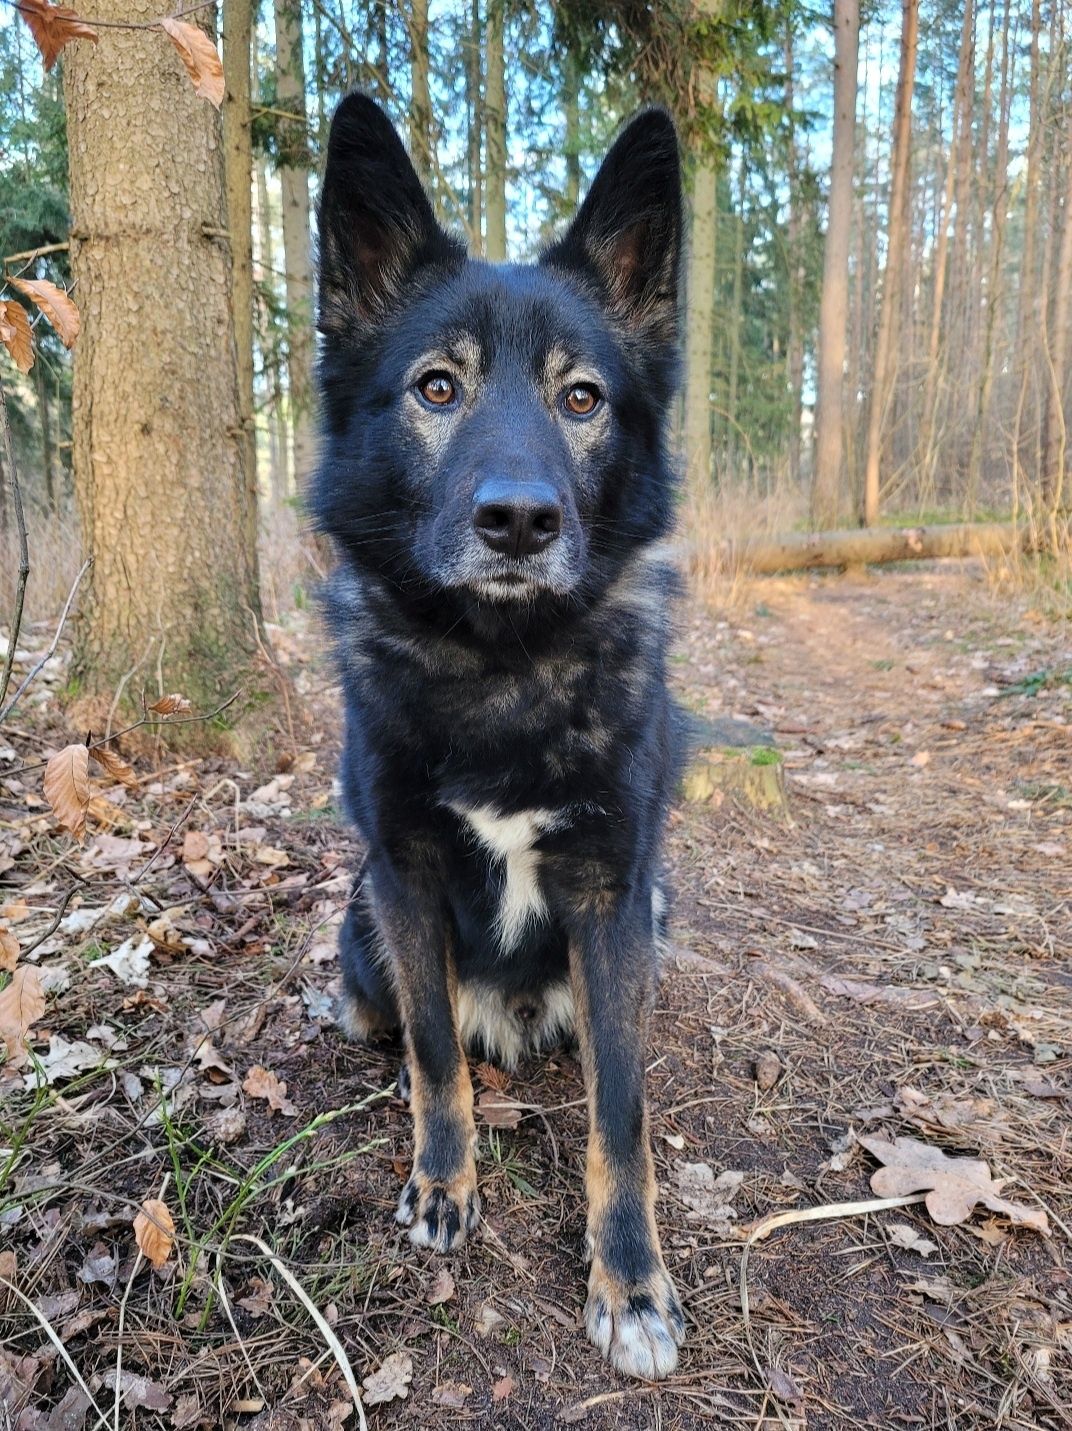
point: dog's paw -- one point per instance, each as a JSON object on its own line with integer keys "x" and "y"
{"x": 636, "y": 1325}
{"x": 439, "y": 1215}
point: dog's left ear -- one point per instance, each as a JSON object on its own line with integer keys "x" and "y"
{"x": 376, "y": 224}
{"x": 627, "y": 233}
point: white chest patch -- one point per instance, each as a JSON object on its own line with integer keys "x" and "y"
{"x": 509, "y": 840}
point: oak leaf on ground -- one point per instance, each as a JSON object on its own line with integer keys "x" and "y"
{"x": 262, "y": 1083}
{"x": 390, "y": 1382}
{"x": 954, "y": 1186}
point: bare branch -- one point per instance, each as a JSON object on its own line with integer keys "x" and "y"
{"x": 55, "y": 641}
{"x": 12, "y": 477}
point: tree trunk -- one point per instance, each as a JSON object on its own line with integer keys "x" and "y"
{"x": 1029, "y": 283}
{"x": 496, "y": 130}
{"x": 802, "y": 551}
{"x": 158, "y": 462}
{"x": 736, "y": 318}
{"x": 273, "y": 395}
{"x": 700, "y": 291}
{"x": 571, "y": 102}
{"x": 420, "y": 112}
{"x": 1054, "y": 444}
{"x": 794, "y": 357}
{"x": 475, "y": 110}
{"x": 834, "y": 301}
{"x": 48, "y": 451}
{"x": 238, "y": 177}
{"x": 297, "y": 258}
{"x": 896, "y": 234}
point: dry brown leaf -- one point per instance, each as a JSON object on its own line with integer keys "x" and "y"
{"x": 497, "y": 1110}
{"x": 451, "y": 1393}
{"x": 67, "y": 789}
{"x": 390, "y": 1382}
{"x": 15, "y": 910}
{"x": 441, "y": 1289}
{"x": 502, "y": 1388}
{"x": 198, "y": 53}
{"x": 15, "y": 334}
{"x": 173, "y": 704}
{"x": 954, "y": 1186}
{"x": 21, "y": 1004}
{"x": 768, "y": 1071}
{"x": 154, "y": 1231}
{"x": 115, "y": 765}
{"x": 54, "y": 304}
{"x": 52, "y": 27}
{"x": 9, "y": 950}
{"x": 262, "y": 1083}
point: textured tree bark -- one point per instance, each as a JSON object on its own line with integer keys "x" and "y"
{"x": 48, "y": 451}
{"x": 700, "y": 292}
{"x": 297, "y": 257}
{"x": 277, "y": 423}
{"x": 496, "y": 130}
{"x": 1055, "y": 433}
{"x": 420, "y": 114}
{"x": 897, "y": 230}
{"x": 475, "y": 129}
{"x": 794, "y": 356}
{"x": 238, "y": 175}
{"x": 834, "y": 300}
{"x": 157, "y": 443}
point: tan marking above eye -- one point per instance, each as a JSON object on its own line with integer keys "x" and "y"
{"x": 581, "y": 399}
{"x": 437, "y": 388}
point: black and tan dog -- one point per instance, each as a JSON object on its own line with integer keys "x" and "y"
{"x": 496, "y": 480}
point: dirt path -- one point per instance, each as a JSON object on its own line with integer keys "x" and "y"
{"x": 902, "y": 946}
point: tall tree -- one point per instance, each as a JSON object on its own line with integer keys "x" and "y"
{"x": 834, "y": 301}
{"x": 158, "y": 463}
{"x": 475, "y": 128}
{"x": 420, "y": 111}
{"x": 297, "y": 257}
{"x": 794, "y": 356}
{"x": 896, "y": 237}
{"x": 238, "y": 175}
{"x": 496, "y": 132}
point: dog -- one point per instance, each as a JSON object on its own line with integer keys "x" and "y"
{"x": 496, "y": 479}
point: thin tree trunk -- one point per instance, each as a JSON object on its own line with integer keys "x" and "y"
{"x": 1054, "y": 443}
{"x": 476, "y": 127}
{"x": 496, "y": 131}
{"x": 933, "y": 371}
{"x": 571, "y": 102}
{"x": 834, "y": 302}
{"x": 277, "y": 432}
{"x": 238, "y": 178}
{"x": 158, "y": 463}
{"x": 734, "y": 334}
{"x": 297, "y": 257}
{"x": 1029, "y": 284}
{"x": 701, "y": 292}
{"x": 795, "y": 277}
{"x": 420, "y": 112}
{"x": 896, "y": 235}
{"x": 48, "y": 452}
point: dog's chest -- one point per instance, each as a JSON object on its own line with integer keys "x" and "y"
{"x": 509, "y": 842}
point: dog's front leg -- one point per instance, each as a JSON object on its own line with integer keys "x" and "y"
{"x": 439, "y": 1203}
{"x": 633, "y": 1314}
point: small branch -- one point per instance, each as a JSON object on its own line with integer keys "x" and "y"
{"x": 55, "y": 641}
{"x": 28, "y": 255}
{"x": 134, "y": 24}
{"x": 12, "y": 477}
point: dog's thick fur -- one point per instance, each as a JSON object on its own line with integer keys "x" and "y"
{"x": 510, "y": 745}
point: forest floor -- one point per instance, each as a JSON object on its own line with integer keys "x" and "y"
{"x": 901, "y": 943}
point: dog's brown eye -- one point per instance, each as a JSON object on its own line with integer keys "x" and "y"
{"x": 582, "y": 399}
{"x": 437, "y": 388}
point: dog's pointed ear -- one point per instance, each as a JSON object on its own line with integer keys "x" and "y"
{"x": 376, "y": 224}
{"x": 627, "y": 233}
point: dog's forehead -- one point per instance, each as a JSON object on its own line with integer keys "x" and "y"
{"x": 488, "y": 314}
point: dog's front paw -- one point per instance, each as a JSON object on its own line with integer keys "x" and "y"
{"x": 439, "y": 1215}
{"x": 636, "y": 1325}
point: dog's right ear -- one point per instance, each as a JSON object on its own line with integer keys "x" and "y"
{"x": 376, "y": 224}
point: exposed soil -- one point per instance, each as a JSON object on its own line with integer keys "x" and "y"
{"x": 902, "y": 943}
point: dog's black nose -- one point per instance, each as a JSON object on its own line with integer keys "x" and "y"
{"x": 516, "y": 518}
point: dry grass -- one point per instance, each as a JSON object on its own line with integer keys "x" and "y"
{"x": 901, "y": 945}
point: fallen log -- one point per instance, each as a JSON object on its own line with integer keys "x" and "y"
{"x": 800, "y": 551}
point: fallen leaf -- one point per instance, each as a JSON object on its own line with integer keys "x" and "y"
{"x": 66, "y": 1060}
{"x": 54, "y": 304}
{"x": 266, "y": 855}
{"x": 130, "y": 961}
{"x": 15, "y": 910}
{"x": 768, "y": 1071}
{"x": 16, "y": 335}
{"x": 62, "y": 1304}
{"x": 783, "y": 1385}
{"x": 497, "y": 1110}
{"x": 154, "y": 1231}
{"x": 953, "y": 1185}
{"x": 9, "y": 950}
{"x": 21, "y": 1004}
{"x": 488, "y": 1321}
{"x": 262, "y": 1083}
{"x": 488, "y": 1076}
{"x": 116, "y": 766}
{"x": 451, "y": 1393}
{"x": 66, "y": 787}
{"x": 138, "y": 1391}
{"x": 441, "y": 1289}
{"x": 390, "y": 1382}
{"x": 228, "y": 1125}
{"x": 706, "y": 1196}
{"x": 200, "y": 56}
{"x": 258, "y": 1302}
{"x": 173, "y": 704}
{"x": 502, "y": 1388}
{"x": 903, "y": 1234}
{"x": 99, "y": 1266}
{"x": 52, "y": 27}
